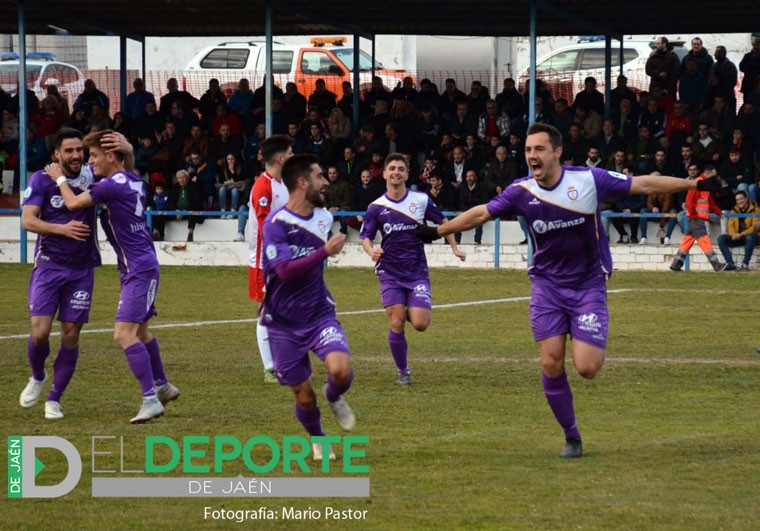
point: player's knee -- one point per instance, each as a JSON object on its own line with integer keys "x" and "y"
{"x": 342, "y": 373}
{"x": 40, "y": 336}
{"x": 69, "y": 338}
{"x": 306, "y": 399}
{"x": 553, "y": 367}
{"x": 589, "y": 370}
{"x": 397, "y": 325}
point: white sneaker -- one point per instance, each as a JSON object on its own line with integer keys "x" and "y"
{"x": 239, "y": 238}
{"x": 31, "y": 392}
{"x": 316, "y": 449}
{"x": 643, "y": 241}
{"x": 342, "y": 412}
{"x": 167, "y": 392}
{"x": 53, "y": 410}
{"x": 151, "y": 408}
{"x": 667, "y": 241}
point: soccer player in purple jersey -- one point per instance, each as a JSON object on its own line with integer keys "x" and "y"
{"x": 572, "y": 260}
{"x": 400, "y": 260}
{"x": 298, "y": 309}
{"x": 123, "y": 194}
{"x": 62, "y": 278}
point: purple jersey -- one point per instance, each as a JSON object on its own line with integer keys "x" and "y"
{"x": 403, "y": 255}
{"x": 565, "y": 225}
{"x": 288, "y": 236}
{"x": 124, "y": 220}
{"x": 53, "y": 251}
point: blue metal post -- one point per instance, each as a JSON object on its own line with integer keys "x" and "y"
{"x": 496, "y": 242}
{"x": 607, "y": 75}
{"x": 621, "y": 54}
{"x": 532, "y": 92}
{"x": 269, "y": 77}
{"x": 122, "y": 74}
{"x": 22, "y": 117}
{"x": 356, "y": 82}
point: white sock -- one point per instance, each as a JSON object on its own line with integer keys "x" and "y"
{"x": 262, "y": 337}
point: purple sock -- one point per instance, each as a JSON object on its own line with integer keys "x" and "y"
{"x": 156, "y": 365}
{"x": 37, "y": 356}
{"x": 63, "y": 370}
{"x": 310, "y": 420}
{"x": 560, "y": 398}
{"x": 139, "y": 361}
{"x": 397, "y": 342}
{"x": 334, "y": 389}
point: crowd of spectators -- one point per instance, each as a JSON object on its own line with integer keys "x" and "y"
{"x": 462, "y": 148}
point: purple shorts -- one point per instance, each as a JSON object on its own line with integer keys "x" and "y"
{"x": 138, "y": 294}
{"x": 290, "y": 348}
{"x": 582, "y": 312}
{"x": 411, "y": 293}
{"x": 64, "y": 290}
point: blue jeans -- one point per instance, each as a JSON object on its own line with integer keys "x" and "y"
{"x": 671, "y": 225}
{"x": 234, "y": 193}
{"x": 242, "y": 219}
{"x": 725, "y": 242}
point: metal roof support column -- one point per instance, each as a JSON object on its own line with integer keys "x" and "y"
{"x": 122, "y": 74}
{"x": 532, "y": 91}
{"x": 621, "y": 54}
{"x": 142, "y": 53}
{"x": 269, "y": 77}
{"x": 356, "y": 81}
{"x": 22, "y": 117}
{"x": 372, "y": 71}
{"x": 607, "y": 74}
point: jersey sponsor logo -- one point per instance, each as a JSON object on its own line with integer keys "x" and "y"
{"x": 81, "y": 295}
{"x": 421, "y": 292}
{"x": 297, "y": 252}
{"x": 119, "y": 179}
{"x": 56, "y": 201}
{"x": 263, "y": 201}
{"x": 412, "y": 207}
{"x": 271, "y": 251}
{"x": 80, "y": 300}
{"x": 151, "y": 293}
{"x": 589, "y": 322}
{"x": 541, "y": 226}
{"x": 617, "y": 175}
{"x": 572, "y": 193}
{"x": 330, "y": 335}
{"x": 394, "y": 227}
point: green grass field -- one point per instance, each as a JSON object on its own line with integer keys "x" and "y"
{"x": 671, "y": 425}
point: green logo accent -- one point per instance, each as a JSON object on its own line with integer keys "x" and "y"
{"x": 38, "y": 466}
{"x": 14, "y": 467}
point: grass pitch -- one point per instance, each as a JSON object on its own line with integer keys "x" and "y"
{"x": 671, "y": 425}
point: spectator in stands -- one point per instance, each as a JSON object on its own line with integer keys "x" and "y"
{"x": 380, "y": 118}
{"x": 99, "y": 119}
{"x": 707, "y": 148}
{"x": 723, "y": 74}
{"x": 659, "y": 204}
{"x": 230, "y": 185}
{"x": 443, "y": 194}
{"x": 346, "y": 101}
{"x": 340, "y": 127}
{"x": 661, "y": 163}
{"x": 320, "y": 145}
{"x": 208, "y": 104}
{"x": 701, "y": 57}
{"x": 431, "y": 129}
{"x": 750, "y": 66}
{"x": 633, "y": 204}
{"x": 678, "y": 127}
{"x": 280, "y": 116}
{"x": 159, "y": 201}
{"x": 609, "y": 142}
{"x": 376, "y": 167}
{"x": 406, "y": 91}
{"x": 720, "y": 118}
{"x": 516, "y": 155}
{"x": 617, "y": 163}
{"x": 349, "y": 168}
{"x": 197, "y": 141}
{"x": 147, "y": 125}
{"x": 741, "y": 232}
{"x": 258, "y": 105}
{"x": 365, "y": 143}
{"x": 736, "y": 172}
{"x": 500, "y": 173}
{"x": 511, "y": 101}
{"x": 471, "y": 194}
{"x": 338, "y": 196}
{"x": 590, "y": 121}
{"x": 590, "y": 98}
{"x": 640, "y": 153}
{"x": 187, "y": 195}
{"x": 428, "y": 96}
{"x": 687, "y": 160}
{"x": 168, "y": 156}
{"x": 477, "y": 98}
{"x": 654, "y": 117}
{"x": 450, "y": 99}
{"x": 493, "y": 123}
{"x": 393, "y": 142}
{"x": 51, "y": 88}
{"x": 222, "y": 145}
{"x": 444, "y": 149}
{"x": 622, "y": 92}
{"x": 47, "y": 122}
{"x": 183, "y": 119}
{"x": 322, "y": 99}
{"x": 748, "y": 121}
{"x": 738, "y": 141}
{"x": 663, "y": 67}
{"x": 201, "y": 173}
{"x": 253, "y": 145}
{"x": 575, "y": 148}
{"x": 295, "y": 102}
{"x": 692, "y": 86}
{"x": 593, "y": 160}
{"x": 135, "y": 103}
{"x": 361, "y": 196}
{"x": 377, "y": 92}
{"x": 121, "y": 124}
{"x": 539, "y": 113}
{"x": 626, "y": 121}
{"x": 91, "y": 95}
{"x": 473, "y": 152}
{"x": 146, "y": 148}
{"x": 562, "y": 116}
{"x": 231, "y": 119}
{"x": 453, "y": 171}
{"x": 189, "y": 103}
{"x": 423, "y": 181}
{"x": 462, "y": 123}
{"x": 78, "y": 121}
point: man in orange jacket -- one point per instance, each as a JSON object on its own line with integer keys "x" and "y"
{"x": 698, "y": 208}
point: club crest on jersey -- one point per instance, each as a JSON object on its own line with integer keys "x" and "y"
{"x": 572, "y": 193}
{"x": 412, "y": 207}
{"x": 322, "y": 226}
{"x": 271, "y": 252}
{"x": 56, "y": 201}
{"x": 263, "y": 201}
{"x": 119, "y": 179}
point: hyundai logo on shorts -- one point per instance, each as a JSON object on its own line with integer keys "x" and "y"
{"x": 81, "y": 295}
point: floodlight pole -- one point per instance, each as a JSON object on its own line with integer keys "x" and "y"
{"x": 532, "y": 78}
{"x": 22, "y": 118}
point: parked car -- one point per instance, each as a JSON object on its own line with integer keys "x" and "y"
{"x": 565, "y": 69}
{"x": 326, "y": 58}
{"x": 41, "y": 70}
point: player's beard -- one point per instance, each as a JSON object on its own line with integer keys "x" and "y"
{"x": 71, "y": 168}
{"x": 316, "y": 197}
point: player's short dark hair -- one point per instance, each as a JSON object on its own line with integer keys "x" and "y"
{"x": 274, "y": 145}
{"x": 296, "y": 167}
{"x": 64, "y": 133}
{"x": 395, "y": 157}
{"x": 555, "y": 137}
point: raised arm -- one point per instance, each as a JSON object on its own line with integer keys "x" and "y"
{"x": 658, "y": 184}
{"x": 467, "y": 220}
{"x": 71, "y": 200}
